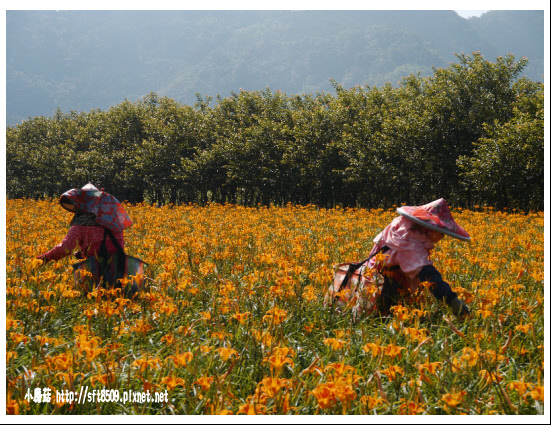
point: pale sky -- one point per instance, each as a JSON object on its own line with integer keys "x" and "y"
{"x": 469, "y": 13}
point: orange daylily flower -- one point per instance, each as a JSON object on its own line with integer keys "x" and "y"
{"x": 374, "y": 348}
{"x": 171, "y": 382}
{"x": 242, "y": 317}
{"x": 431, "y": 367}
{"x": 371, "y": 402}
{"x": 537, "y": 393}
{"x": 144, "y": 363}
{"x": 489, "y": 377}
{"x": 272, "y": 386}
{"x": 340, "y": 369}
{"x": 410, "y": 408}
{"x": 325, "y": 395}
{"x": 470, "y": 356}
{"x": 453, "y": 399}
{"x": 280, "y": 357}
{"x": 275, "y": 316}
{"x": 226, "y": 353}
{"x": 415, "y": 334}
{"x": 524, "y": 328}
{"x": 103, "y": 379}
{"x": 392, "y": 351}
{"x": 205, "y": 382}
{"x": 181, "y": 360}
{"x": 392, "y": 371}
{"x": 12, "y": 323}
{"x": 335, "y": 344}
{"x": 520, "y": 386}
{"x": 252, "y": 408}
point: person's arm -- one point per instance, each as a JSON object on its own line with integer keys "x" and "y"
{"x": 440, "y": 288}
{"x": 65, "y": 248}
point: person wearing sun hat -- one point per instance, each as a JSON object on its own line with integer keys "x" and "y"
{"x": 407, "y": 242}
{"x": 94, "y": 211}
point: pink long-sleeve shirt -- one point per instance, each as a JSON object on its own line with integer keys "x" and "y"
{"x": 409, "y": 249}
{"x": 87, "y": 238}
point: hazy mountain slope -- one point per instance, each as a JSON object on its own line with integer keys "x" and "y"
{"x": 79, "y": 60}
{"x": 520, "y": 32}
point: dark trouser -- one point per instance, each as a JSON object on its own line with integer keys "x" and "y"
{"x": 392, "y": 291}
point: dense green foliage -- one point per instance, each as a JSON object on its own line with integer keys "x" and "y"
{"x": 472, "y": 133}
{"x": 84, "y": 59}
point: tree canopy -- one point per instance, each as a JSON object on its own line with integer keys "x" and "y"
{"x": 471, "y": 132}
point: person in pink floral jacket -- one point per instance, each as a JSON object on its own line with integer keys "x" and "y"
{"x": 94, "y": 212}
{"x": 406, "y": 244}
{"x": 409, "y": 239}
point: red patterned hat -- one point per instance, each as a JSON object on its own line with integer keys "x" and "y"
{"x": 108, "y": 210}
{"x": 435, "y": 216}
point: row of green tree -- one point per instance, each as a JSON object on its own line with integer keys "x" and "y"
{"x": 471, "y": 133}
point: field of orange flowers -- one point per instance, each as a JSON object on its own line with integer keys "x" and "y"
{"x": 232, "y": 321}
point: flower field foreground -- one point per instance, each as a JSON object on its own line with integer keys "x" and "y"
{"x": 232, "y": 321}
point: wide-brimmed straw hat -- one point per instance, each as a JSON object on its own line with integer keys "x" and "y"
{"x": 435, "y": 216}
{"x": 89, "y": 199}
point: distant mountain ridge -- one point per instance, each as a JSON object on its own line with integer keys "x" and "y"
{"x": 80, "y": 60}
